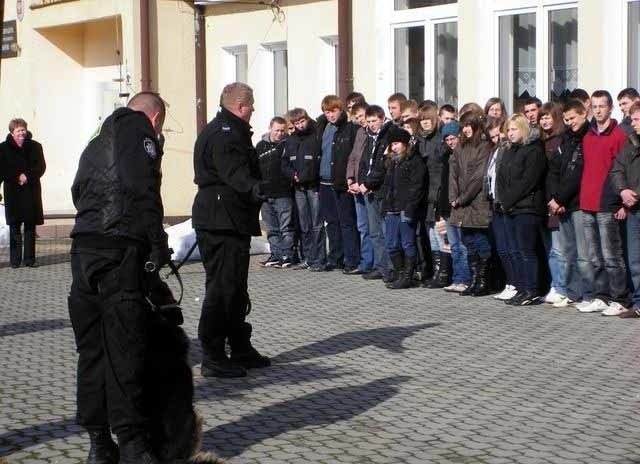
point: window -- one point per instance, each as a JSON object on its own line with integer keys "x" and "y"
{"x": 410, "y": 4}
{"x": 633, "y": 49}
{"x": 280, "y": 81}
{"x": 329, "y": 65}
{"x": 517, "y": 55}
{"x": 563, "y": 52}
{"x": 409, "y": 61}
{"x": 236, "y": 63}
{"x": 446, "y": 63}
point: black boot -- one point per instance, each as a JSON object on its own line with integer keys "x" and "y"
{"x": 482, "y": 279}
{"x": 136, "y": 451}
{"x": 444, "y": 273}
{"x": 435, "y": 261}
{"x": 472, "y": 260}
{"x": 103, "y": 449}
{"x": 216, "y": 363}
{"x": 243, "y": 353}
{"x": 397, "y": 263}
{"x": 406, "y": 278}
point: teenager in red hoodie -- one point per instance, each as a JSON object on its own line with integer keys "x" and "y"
{"x": 603, "y": 212}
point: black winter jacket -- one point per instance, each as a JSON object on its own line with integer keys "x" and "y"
{"x": 437, "y": 162}
{"x": 625, "y": 173}
{"x": 565, "y": 170}
{"x": 270, "y": 156}
{"x": 343, "y": 141}
{"x": 520, "y": 178}
{"x": 371, "y": 170}
{"x": 226, "y": 172}
{"x": 404, "y": 187}
{"x": 23, "y": 203}
{"x": 116, "y": 190}
{"x": 302, "y": 156}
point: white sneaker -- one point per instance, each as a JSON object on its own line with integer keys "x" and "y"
{"x": 563, "y": 303}
{"x": 506, "y": 294}
{"x": 614, "y": 309}
{"x": 582, "y": 304}
{"x": 553, "y": 296}
{"x": 456, "y": 288}
{"x": 596, "y": 306}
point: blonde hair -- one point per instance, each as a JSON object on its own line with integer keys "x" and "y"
{"x": 522, "y": 123}
{"x": 238, "y": 92}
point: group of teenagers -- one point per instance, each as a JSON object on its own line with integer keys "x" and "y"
{"x": 540, "y": 206}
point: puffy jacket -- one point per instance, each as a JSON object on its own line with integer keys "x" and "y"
{"x": 520, "y": 178}
{"x": 371, "y": 170}
{"x": 226, "y": 171}
{"x": 116, "y": 190}
{"x": 302, "y": 156}
{"x": 467, "y": 166}
{"x": 565, "y": 170}
{"x": 341, "y": 147}
{"x": 270, "y": 159}
{"x": 23, "y": 203}
{"x": 404, "y": 186}
{"x": 625, "y": 173}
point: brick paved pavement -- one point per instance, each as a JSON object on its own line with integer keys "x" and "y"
{"x": 361, "y": 375}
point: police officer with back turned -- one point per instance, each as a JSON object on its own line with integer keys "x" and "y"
{"x": 118, "y": 230}
{"x": 225, "y": 216}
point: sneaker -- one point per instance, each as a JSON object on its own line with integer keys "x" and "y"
{"x": 508, "y": 292}
{"x": 456, "y": 288}
{"x": 530, "y": 298}
{"x": 553, "y": 296}
{"x": 563, "y": 303}
{"x": 582, "y": 304}
{"x": 614, "y": 309}
{"x": 284, "y": 263}
{"x": 373, "y": 275}
{"x": 318, "y": 268}
{"x": 301, "y": 266}
{"x": 272, "y": 260}
{"x": 353, "y": 271}
{"x": 630, "y": 313}
{"x": 596, "y": 306}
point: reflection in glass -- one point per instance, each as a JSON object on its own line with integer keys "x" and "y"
{"x": 409, "y": 62}
{"x": 446, "y": 63}
{"x": 517, "y": 57}
{"x": 409, "y": 4}
{"x": 633, "y": 50}
{"x": 563, "y": 52}
{"x": 280, "y": 81}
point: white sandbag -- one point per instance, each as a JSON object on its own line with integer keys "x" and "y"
{"x": 182, "y": 237}
{"x": 4, "y": 229}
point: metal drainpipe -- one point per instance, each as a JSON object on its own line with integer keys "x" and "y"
{"x": 145, "y": 54}
{"x": 201, "y": 69}
{"x": 345, "y": 48}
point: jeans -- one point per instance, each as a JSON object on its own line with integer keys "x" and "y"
{"x": 401, "y": 236}
{"x": 500, "y": 235}
{"x": 339, "y": 212}
{"x": 522, "y": 237}
{"x": 366, "y": 247}
{"x": 602, "y": 233}
{"x": 555, "y": 259}
{"x": 377, "y": 233}
{"x": 277, "y": 216}
{"x": 460, "y": 266}
{"x": 477, "y": 241}
{"x": 311, "y": 227}
{"x": 633, "y": 252}
{"x": 577, "y": 271}
{"x": 436, "y": 240}
{"x": 16, "y": 244}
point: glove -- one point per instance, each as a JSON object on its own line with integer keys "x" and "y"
{"x": 158, "y": 258}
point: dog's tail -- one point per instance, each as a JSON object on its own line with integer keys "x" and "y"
{"x": 205, "y": 458}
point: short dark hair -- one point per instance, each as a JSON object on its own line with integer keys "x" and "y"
{"x": 359, "y": 106}
{"x": 357, "y": 96}
{"x": 296, "y": 114}
{"x": 375, "y": 110}
{"x": 634, "y": 108}
{"x": 277, "y": 120}
{"x": 579, "y": 94}
{"x": 428, "y": 102}
{"x": 603, "y": 94}
{"x": 148, "y": 103}
{"x": 629, "y": 92}
{"x": 574, "y": 104}
{"x": 332, "y": 102}
{"x": 398, "y": 96}
{"x": 532, "y": 101}
{"x": 448, "y": 108}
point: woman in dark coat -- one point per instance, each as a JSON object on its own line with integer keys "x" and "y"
{"x": 21, "y": 166}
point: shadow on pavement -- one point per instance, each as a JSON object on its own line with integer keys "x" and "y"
{"x": 315, "y": 409}
{"x": 25, "y": 327}
{"x": 43, "y": 260}
{"x": 386, "y": 338}
{"x": 18, "y": 439}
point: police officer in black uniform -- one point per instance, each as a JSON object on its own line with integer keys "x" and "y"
{"x": 118, "y": 230}
{"x": 225, "y": 216}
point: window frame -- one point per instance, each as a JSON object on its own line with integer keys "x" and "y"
{"x": 268, "y": 65}
{"x": 625, "y": 44}
{"x": 229, "y": 61}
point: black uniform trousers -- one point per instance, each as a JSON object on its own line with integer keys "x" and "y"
{"x": 109, "y": 318}
{"x": 225, "y": 257}
{"x": 16, "y": 242}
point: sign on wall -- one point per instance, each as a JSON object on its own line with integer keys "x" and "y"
{"x": 9, "y": 39}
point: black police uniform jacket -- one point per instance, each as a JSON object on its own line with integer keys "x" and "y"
{"x": 23, "y": 203}
{"x": 226, "y": 171}
{"x": 270, "y": 158}
{"x": 116, "y": 190}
